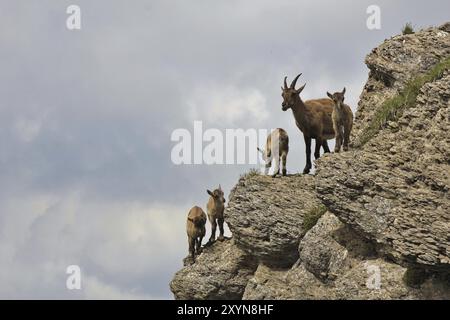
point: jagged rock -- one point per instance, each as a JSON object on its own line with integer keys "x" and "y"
{"x": 355, "y": 278}
{"x": 265, "y": 215}
{"x": 395, "y": 62}
{"x": 388, "y": 204}
{"x": 395, "y": 189}
{"x": 285, "y": 284}
{"x": 221, "y": 272}
{"x": 445, "y": 27}
{"x": 320, "y": 253}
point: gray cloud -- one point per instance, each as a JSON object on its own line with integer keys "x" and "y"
{"x": 86, "y": 119}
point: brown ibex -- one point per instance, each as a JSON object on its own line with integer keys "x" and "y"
{"x": 195, "y": 228}
{"x": 277, "y": 146}
{"x": 312, "y": 117}
{"x": 215, "y": 208}
{"x": 342, "y": 120}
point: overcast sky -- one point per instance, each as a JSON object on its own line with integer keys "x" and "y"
{"x": 86, "y": 118}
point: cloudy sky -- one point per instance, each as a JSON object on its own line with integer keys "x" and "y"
{"x": 86, "y": 117}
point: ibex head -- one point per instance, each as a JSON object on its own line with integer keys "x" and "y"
{"x": 263, "y": 153}
{"x": 290, "y": 94}
{"x": 337, "y": 97}
{"x": 217, "y": 194}
{"x": 198, "y": 221}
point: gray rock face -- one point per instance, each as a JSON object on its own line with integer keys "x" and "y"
{"x": 386, "y": 234}
{"x": 393, "y": 64}
{"x": 320, "y": 253}
{"x": 395, "y": 190}
{"x": 341, "y": 266}
{"x": 265, "y": 215}
{"x": 221, "y": 272}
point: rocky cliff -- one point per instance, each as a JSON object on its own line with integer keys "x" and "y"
{"x": 374, "y": 222}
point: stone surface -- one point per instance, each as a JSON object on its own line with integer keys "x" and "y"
{"x": 392, "y": 64}
{"x": 265, "y": 215}
{"x": 343, "y": 267}
{"x": 395, "y": 190}
{"x": 221, "y": 272}
{"x": 388, "y": 204}
{"x": 320, "y": 253}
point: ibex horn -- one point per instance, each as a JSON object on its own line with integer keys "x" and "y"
{"x": 295, "y": 81}
{"x": 285, "y": 83}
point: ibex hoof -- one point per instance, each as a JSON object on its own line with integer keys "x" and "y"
{"x": 284, "y": 173}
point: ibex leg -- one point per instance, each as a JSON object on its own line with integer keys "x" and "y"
{"x": 308, "y": 155}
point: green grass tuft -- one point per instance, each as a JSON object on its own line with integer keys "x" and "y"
{"x": 408, "y": 29}
{"x": 392, "y": 109}
{"x": 312, "y": 216}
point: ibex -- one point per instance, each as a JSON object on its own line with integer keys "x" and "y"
{"x": 342, "y": 120}
{"x": 312, "y": 117}
{"x": 195, "y": 227}
{"x": 215, "y": 208}
{"x": 277, "y": 146}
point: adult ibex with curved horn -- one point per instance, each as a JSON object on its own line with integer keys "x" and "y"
{"x": 312, "y": 117}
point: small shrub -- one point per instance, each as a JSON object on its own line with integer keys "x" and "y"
{"x": 408, "y": 29}
{"x": 312, "y": 216}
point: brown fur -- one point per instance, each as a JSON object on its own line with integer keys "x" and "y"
{"x": 280, "y": 140}
{"x": 312, "y": 117}
{"x": 195, "y": 228}
{"x": 215, "y": 209}
{"x": 342, "y": 120}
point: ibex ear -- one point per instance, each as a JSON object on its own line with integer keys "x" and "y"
{"x": 301, "y": 89}
{"x": 220, "y": 187}
{"x": 343, "y": 91}
{"x": 329, "y": 95}
{"x": 210, "y": 193}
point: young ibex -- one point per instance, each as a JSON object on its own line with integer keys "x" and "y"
{"x": 277, "y": 146}
{"x": 195, "y": 227}
{"x": 312, "y": 117}
{"x": 215, "y": 208}
{"x": 342, "y": 120}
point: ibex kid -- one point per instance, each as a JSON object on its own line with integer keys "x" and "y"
{"x": 342, "y": 120}
{"x": 195, "y": 228}
{"x": 215, "y": 208}
{"x": 277, "y": 146}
